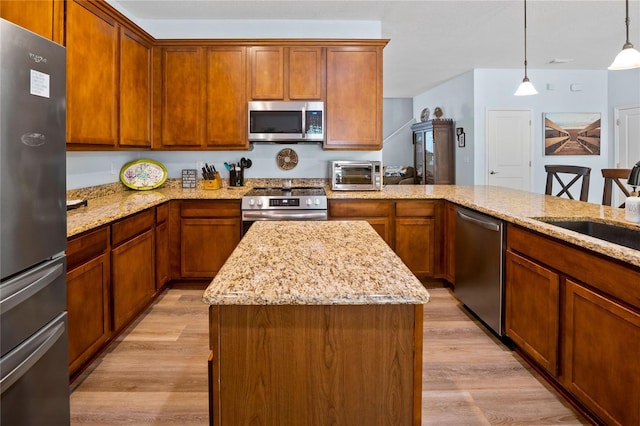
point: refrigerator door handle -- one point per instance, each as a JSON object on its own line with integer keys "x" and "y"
{"x": 34, "y": 349}
{"x": 487, "y": 225}
{"x": 24, "y": 287}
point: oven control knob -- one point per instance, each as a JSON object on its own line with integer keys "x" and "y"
{"x": 308, "y": 201}
{"x": 252, "y": 202}
{"x": 259, "y": 202}
{"x": 317, "y": 201}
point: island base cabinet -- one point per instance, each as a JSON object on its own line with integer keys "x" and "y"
{"x": 602, "y": 346}
{"x": 301, "y": 364}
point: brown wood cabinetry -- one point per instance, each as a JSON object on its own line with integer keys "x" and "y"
{"x": 434, "y": 152}
{"x": 226, "y": 101}
{"x": 181, "y": 103}
{"x": 132, "y": 265}
{"x": 92, "y": 73}
{"x": 135, "y": 90}
{"x": 563, "y": 309}
{"x": 163, "y": 266}
{"x": 287, "y": 73}
{"x": 108, "y": 79}
{"x": 377, "y": 213}
{"x": 88, "y": 295}
{"x": 354, "y": 98}
{"x": 209, "y": 232}
{"x": 377, "y": 349}
{"x": 533, "y": 309}
{"x": 449, "y": 242}
{"x": 416, "y": 235}
{"x": 43, "y": 17}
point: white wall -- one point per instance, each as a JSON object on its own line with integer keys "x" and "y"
{"x": 456, "y": 99}
{"x": 397, "y": 137}
{"x": 493, "y": 89}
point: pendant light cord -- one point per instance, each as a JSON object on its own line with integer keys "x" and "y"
{"x": 627, "y": 21}
{"x": 525, "y": 38}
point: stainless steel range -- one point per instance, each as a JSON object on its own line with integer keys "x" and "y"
{"x": 283, "y": 204}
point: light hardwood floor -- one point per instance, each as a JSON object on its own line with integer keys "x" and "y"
{"x": 156, "y": 373}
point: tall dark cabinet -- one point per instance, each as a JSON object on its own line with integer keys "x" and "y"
{"x": 433, "y": 152}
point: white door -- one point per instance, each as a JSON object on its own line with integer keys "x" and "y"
{"x": 509, "y": 149}
{"x": 627, "y": 142}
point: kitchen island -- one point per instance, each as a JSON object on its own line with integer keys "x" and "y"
{"x": 315, "y": 323}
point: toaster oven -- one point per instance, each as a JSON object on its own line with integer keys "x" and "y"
{"x": 356, "y": 175}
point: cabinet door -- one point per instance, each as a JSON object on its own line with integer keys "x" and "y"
{"x": 443, "y": 150}
{"x": 88, "y": 310}
{"x": 182, "y": 98}
{"x": 227, "y": 98}
{"x": 601, "y": 348}
{"x": 354, "y": 98}
{"x": 306, "y": 73}
{"x": 92, "y": 70}
{"x": 533, "y": 310}
{"x": 414, "y": 244}
{"x": 450, "y": 242}
{"x": 162, "y": 254}
{"x": 132, "y": 270}
{"x": 135, "y": 91}
{"x": 206, "y": 244}
{"x": 43, "y": 17}
{"x": 377, "y": 213}
{"x": 267, "y": 72}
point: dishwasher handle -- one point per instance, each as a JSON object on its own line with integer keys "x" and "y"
{"x": 492, "y": 226}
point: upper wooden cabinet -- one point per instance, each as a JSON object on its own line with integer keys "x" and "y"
{"x": 181, "y": 98}
{"x": 135, "y": 90}
{"x": 202, "y": 101}
{"x": 287, "y": 73}
{"x": 43, "y": 17}
{"x": 92, "y": 73}
{"x": 108, "y": 80}
{"x": 354, "y": 98}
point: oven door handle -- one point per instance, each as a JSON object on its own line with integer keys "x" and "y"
{"x": 283, "y": 215}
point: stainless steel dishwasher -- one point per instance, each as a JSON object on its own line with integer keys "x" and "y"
{"x": 480, "y": 265}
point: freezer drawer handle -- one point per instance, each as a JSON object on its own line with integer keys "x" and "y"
{"x": 21, "y": 290}
{"x": 35, "y": 348}
{"x": 487, "y": 225}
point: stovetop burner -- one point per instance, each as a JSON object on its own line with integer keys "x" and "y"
{"x": 282, "y": 192}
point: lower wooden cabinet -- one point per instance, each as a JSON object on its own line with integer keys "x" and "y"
{"x": 576, "y": 314}
{"x": 601, "y": 354}
{"x": 449, "y": 242}
{"x": 132, "y": 266}
{"x": 377, "y": 213}
{"x": 88, "y": 296}
{"x": 533, "y": 310}
{"x": 163, "y": 267}
{"x": 415, "y": 235}
{"x": 209, "y": 232}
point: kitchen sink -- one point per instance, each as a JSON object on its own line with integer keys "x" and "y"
{"x": 611, "y": 233}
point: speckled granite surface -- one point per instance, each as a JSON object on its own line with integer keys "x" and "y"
{"x": 514, "y": 206}
{"x": 314, "y": 263}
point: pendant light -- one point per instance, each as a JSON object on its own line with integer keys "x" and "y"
{"x": 526, "y": 87}
{"x": 628, "y": 58}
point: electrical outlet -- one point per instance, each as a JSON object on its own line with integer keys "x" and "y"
{"x": 113, "y": 169}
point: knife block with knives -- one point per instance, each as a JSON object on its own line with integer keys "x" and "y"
{"x": 211, "y": 177}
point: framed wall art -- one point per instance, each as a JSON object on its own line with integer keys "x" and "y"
{"x": 572, "y": 133}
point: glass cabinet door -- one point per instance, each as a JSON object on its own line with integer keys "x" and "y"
{"x": 429, "y": 163}
{"x": 418, "y": 156}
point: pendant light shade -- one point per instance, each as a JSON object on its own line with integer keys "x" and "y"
{"x": 526, "y": 87}
{"x": 628, "y": 58}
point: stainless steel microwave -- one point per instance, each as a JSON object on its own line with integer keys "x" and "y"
{"x": 356, "y": 175}
{"x": 282, "y": 121}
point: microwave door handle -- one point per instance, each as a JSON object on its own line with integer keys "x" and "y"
{"x": 304, "y": 122}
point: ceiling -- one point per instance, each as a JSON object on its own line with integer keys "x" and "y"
{"x": 433, "y": 41}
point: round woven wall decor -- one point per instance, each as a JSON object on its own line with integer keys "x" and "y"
{"x": 287, "y": 159}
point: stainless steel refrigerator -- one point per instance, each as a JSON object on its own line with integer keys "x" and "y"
{"x": 33, "y": 324}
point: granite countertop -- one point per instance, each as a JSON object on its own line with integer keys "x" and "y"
{"x": 518, "y": 207}
{"x": 314, "y": 263}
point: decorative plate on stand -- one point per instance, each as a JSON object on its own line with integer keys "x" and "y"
{"x": 437, "y": 112}
{"x": 287, "y": 159}
{"x": 424, "y": 115}
{"x": 143, "y": 174}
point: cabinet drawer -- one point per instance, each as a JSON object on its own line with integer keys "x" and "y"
{"x": 359, "y": 208}
{"x": 226, "y": 208}
{"x": 87, "y": 246}
{"x": 415, "y": 208}
{"x": 131, "y": 226}
{"x": 162, "y": 213}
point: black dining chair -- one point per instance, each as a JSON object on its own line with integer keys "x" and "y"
{"x": 612, "y": 176}
{"x": 557, "y": 172}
